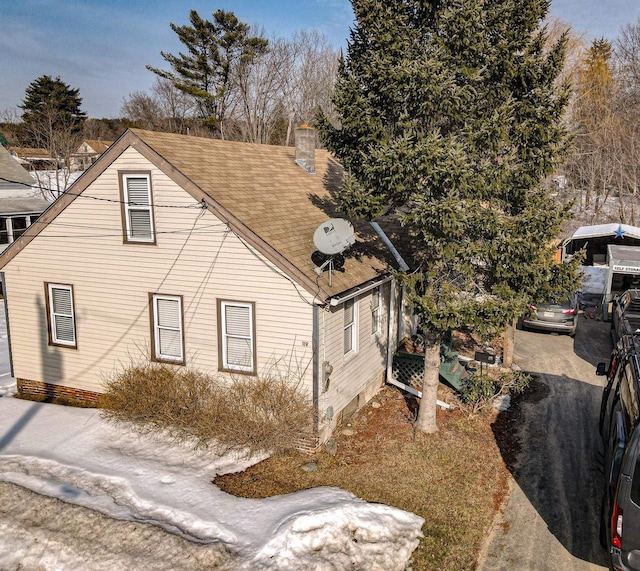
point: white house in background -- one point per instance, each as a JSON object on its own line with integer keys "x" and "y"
{"x": 88, "y": 152}
{"x": 20, "y": 204}
{"x": 200, "y": 252}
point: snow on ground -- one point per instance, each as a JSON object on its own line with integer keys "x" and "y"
{"x": 74, "y": 455}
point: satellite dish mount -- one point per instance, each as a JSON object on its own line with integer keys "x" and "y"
{"x": 332, "y": 238}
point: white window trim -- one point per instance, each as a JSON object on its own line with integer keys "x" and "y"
{"x": 224, "y": 337}
{"x": 158, "y": 355}
{"x": 128, "y": 208}
{"x": 353, "y": 325}
{"x": 376, "y": 312}
{"x": 53, "y": 315}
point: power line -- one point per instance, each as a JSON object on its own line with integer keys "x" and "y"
{"x": 114, "y": 235}
{"x": 115, "y": 227}
{"x": 201, "y": 205}
{"x": 82, "y": 195}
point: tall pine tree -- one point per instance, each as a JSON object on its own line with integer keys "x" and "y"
{"x": 208, "y": 71}
{"x": 450, "y": 117}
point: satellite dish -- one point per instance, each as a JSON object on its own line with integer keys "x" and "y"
{"x": 334, "y": 236}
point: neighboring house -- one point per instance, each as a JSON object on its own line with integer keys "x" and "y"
{"x": 19, "y": 204}
{"x": 34, "y": 158}
{"x": 88, "y": 152}
{"x": 200, "y": 252}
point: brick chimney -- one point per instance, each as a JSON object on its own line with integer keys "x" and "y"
{"x": 305, "y": 138}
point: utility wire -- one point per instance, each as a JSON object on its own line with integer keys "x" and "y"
{"x": 82, "y": 195}
{"x": 202, "y": 205}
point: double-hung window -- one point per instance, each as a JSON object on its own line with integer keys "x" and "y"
{"x": 137, "y": 208}
{"x": 237, "y": 338}
{"x": 376, "y": 312}
{"x": 350, "y": 329}
{"x": 168, "y": 338}
{"x": 61, "y": 315}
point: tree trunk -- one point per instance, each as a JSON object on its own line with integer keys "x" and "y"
{"x": 509, "y": 344}
{"x": 426, "y": 421}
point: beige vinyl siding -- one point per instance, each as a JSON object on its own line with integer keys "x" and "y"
{"x": 196, "y": 256}
{"x": 361, "y": 370}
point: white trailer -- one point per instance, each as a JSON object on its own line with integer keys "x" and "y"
{"x": 624, "y": 273}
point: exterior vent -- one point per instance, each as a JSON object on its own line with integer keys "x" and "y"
{"x": 306, "y": 148}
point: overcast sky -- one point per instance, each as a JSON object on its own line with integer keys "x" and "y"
{"x": 102, "y": 46}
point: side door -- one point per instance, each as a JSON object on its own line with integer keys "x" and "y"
{"x": 615, "y": 448}
{"x": 610, "y": 393}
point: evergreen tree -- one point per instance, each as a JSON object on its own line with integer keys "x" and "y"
{"x": 207, "y": 72}
{"x": 52, "y": 119}
{"x": 449, "y": 118}
{"x": 50, "y": 106}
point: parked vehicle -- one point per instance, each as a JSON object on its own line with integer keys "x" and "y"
{"x": 619, "y": 427}
{"x": 561, "y": 317}
{"x": 625, "y": 313}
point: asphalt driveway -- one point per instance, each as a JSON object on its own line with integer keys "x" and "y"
{"x": 552, "y": 516}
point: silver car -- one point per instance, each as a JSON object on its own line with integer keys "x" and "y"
{"x": 561, "y": 317}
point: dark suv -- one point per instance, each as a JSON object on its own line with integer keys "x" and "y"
{"x": 625, "y": 313}
{"x": 619, "y": 427}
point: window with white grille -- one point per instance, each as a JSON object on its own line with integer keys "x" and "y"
{"x": 137, "y": 208}
{"x": 61, "y": 315}
{"x": 350, "y": 329}
{"x": 168, "y": 339}
{"x": 237, "y": 336}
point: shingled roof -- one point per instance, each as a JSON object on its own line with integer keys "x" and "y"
{"x": 262, "y": 194}
{"x": 11, "y": 171}
{"x": 98, "y": 145}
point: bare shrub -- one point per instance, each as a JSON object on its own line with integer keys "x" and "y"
{"x": 255, "y": 414}
{"x": 480, "y": 390}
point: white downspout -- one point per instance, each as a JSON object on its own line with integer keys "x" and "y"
{"x": 401, "y": 263}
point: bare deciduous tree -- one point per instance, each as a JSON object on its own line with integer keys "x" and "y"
{"x": 308, "y": 80}
{"x": 166, "y": 108}
{"x": 144, "y": 110}
{"x": 604, "y": 168}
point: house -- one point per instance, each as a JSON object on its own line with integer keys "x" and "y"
{"x": 200, "y": 252}
{"x": 88, "y": 152}
{"x": 34, "y": 158}
{"x": 20, "y": 204}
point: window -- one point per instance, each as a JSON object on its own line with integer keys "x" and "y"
{"x": 18, "y": 226}
{"x": 635, "y": 483}
{"x": 137, "y": 208}
{"x": 4, "y": 232}
{"x": 350, "y": 320}
{"x": 168, "y": 340}
{"x": 375, "y": 311}
{"x": 236, "y": 344}
{"x": 11, "y": 228}
{"x": 61, "y": 315}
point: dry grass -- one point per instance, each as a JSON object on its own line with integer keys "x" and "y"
{"x": 456, "y": 479}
